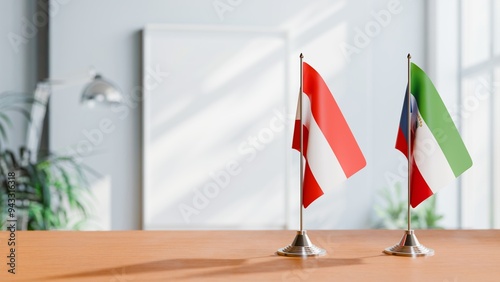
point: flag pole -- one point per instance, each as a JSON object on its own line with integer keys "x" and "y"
{"x": 301, "y": 172}
{"x": 301, "y": 245}
{"x": 408, "y": 93}
{"x": 409, "y": 246}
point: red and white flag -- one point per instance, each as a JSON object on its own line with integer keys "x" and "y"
{"x": 330, "y": 150}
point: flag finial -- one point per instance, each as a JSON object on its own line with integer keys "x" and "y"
{"x": 301, "y": 56}
{"x": 409, "y": 56}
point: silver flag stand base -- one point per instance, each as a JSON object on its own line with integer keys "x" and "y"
{"x": 301, "y": 247}
{"x": 409, "y": 247}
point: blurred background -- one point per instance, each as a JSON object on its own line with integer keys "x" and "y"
{"x": 202, "y": 136}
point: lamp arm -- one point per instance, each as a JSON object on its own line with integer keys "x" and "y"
{"x": 77, "y": 79}
{"x": 38, "y": 111}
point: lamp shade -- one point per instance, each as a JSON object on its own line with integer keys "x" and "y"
{"x": 102, "y": 91}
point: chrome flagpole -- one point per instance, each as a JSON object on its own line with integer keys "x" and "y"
{"x": 301, "y": 245}
{"x": 301, "y": 94}
{"x": 410, "y": 155}
{"x": 409, "y": 246}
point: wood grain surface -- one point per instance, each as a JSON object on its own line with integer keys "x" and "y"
{"x": 353, "y": 255}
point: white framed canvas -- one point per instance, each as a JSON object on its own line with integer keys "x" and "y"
{"x": 216, "y": 127}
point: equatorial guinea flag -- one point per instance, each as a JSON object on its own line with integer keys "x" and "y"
{"x": 330, "y": 150}
{"x": 438, "y": 153}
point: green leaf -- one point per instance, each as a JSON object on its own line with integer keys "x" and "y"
{"x": 3, "y": 134}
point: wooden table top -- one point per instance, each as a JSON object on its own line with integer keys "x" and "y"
{"x": 353, "y": 255}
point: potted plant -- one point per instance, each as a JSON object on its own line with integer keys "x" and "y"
{"x": 393, "y": 213}
{"x": 49, "y": 193}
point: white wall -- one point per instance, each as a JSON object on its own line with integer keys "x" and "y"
{"x": 17, "y": 57}
{"x": 467, "y": 89}
{"x": 368, "y": 85}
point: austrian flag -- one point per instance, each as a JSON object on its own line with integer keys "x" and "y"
{"x": 438, "y": 153}
{"x": 329, "y": 148}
